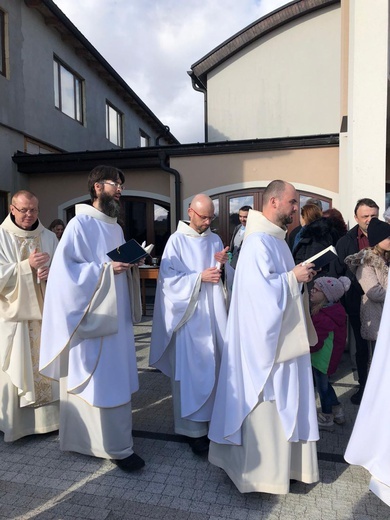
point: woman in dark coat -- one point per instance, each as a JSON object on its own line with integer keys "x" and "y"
{"x": 315, "y": 237}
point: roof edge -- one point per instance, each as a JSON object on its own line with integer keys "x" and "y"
{"x": 268, "y": 23}
{"x": 141, "y": 158}
{"x": 40, "y": 5}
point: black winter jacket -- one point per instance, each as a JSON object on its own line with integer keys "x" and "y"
{"x": 348, "y": 245}
{"x": 314, "y": 238}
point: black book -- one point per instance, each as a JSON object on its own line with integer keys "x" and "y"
{"x": 322, "y": 258}
{"x": 130, "y": 252}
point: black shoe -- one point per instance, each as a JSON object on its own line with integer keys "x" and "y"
{"x": 357, "y": 397}
{"x": 131, "y": 463}
{"x": 199, "y": 445}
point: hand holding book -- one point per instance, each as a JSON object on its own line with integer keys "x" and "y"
{"x": 130, "y": 252}
{"x": 322, "y": 258}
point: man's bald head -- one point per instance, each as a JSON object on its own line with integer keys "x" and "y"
{"x": 201, "y": 212}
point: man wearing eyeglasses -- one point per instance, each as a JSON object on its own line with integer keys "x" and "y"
{"x": 29, "y": 400}
{"x": 189, "y": 320}
{"x": 87, "y": 332}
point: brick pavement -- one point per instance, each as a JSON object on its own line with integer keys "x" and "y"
{"x": 38, "y": 481}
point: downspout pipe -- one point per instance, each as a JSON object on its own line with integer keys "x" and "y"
{"x": 199, "y": 87}
{"x": 163, "y": 156}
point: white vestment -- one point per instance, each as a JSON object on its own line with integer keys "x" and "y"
{"x": 264, "y": 421}
{"x": 369, "y": 445}
{"x": 87, "y": 337}
{"x": 188, "y": 326}
{"x": 29, "y": 400}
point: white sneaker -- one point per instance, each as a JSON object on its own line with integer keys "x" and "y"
{"x": 338, "y": 414}
{"x": 325, "y": 421}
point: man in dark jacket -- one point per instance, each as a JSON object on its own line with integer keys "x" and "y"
{"x": 355, "y": 240}
{"x": 238, "y": 235}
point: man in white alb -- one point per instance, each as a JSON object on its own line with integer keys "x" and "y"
{"x": 189, "y": 320}
{"x": 29, "y": 400}
{"x": 87, "y": 331}
{"x": 264, "y": 423}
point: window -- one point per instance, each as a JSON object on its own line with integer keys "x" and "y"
{"x": 68, "y": 92}
{"x": 34, "y": 147}
{"x": 3, "y": 205}
{"x": 114, "y": 125}
{"x": 227, "y": 205}
{"x": 147, "y": 219}
{"x": 144, "y": 139}
{"x": 142, "y": 219}
{"x": 2, "y": 43}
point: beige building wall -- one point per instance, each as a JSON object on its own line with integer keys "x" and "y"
{"x": 311, "y": 169}
{"x": 286, "y": 84}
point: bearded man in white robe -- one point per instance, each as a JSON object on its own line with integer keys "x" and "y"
{"x": 29, "y": 401}
{"x": 264, "y": 422}
{"x": 87, "y": 333}
{"x": 189, "y": 320}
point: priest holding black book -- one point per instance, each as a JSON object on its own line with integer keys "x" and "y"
{"x": 87, "y": 332}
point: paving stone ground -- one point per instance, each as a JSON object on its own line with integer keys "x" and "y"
{"x": 38, "y": 481}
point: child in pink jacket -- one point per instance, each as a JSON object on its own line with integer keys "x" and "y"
{"x": 330, "y": 321}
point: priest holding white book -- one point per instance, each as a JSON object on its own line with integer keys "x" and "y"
{"x": 264, "y": 424}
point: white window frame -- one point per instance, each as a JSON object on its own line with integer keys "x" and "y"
{"x": 144, "y": 139}
{"x": 114, "y": 118}
{"x": 77, "y": 108}
{"x": 4, "y": 53}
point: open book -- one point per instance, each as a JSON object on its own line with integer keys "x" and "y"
{"x": 130, "y": 252}
{"x": 322, "y": 258}
{"x": 148, "y": 248}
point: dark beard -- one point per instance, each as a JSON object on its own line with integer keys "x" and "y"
{"x": 109, "y": 206}
{"x": 286, "y": 220}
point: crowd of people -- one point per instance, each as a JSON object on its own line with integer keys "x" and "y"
{"x": 244, "y": 364}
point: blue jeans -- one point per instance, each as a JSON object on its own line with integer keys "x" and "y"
{"x": 325, "y": 390}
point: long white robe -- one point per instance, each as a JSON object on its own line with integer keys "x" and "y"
{"x": 88, "y": 339}
{"x": 369, "y": 445}
{"x": 188, "y": 326}
{"x": 29, "y": 400}
{"x": 264, "y": 420}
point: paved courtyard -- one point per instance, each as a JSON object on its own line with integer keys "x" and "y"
{"x": 37, "y": 481}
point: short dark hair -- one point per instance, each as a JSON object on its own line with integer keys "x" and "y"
{"x": 245, "y": 208}
{"x": 365, "y": 202}
{"x": 274, "y": 189}
{"x": 102, "y": 173}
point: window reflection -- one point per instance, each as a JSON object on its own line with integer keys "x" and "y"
{"x": 67, "y": 92}
{"x": 162, "y": 229}
{"x": 235, "y": 203}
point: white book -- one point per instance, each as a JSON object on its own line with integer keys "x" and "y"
{"x": 322, "y": 258}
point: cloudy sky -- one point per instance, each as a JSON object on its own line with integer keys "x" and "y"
{"x": 153, "y": 43}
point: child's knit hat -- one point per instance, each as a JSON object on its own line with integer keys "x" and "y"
{"x": 333, "y": 288}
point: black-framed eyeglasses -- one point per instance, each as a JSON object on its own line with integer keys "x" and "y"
{"x": 25, "y": 211}
{"x": 204, "y": 217}
{"x": 117, "y": 185}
